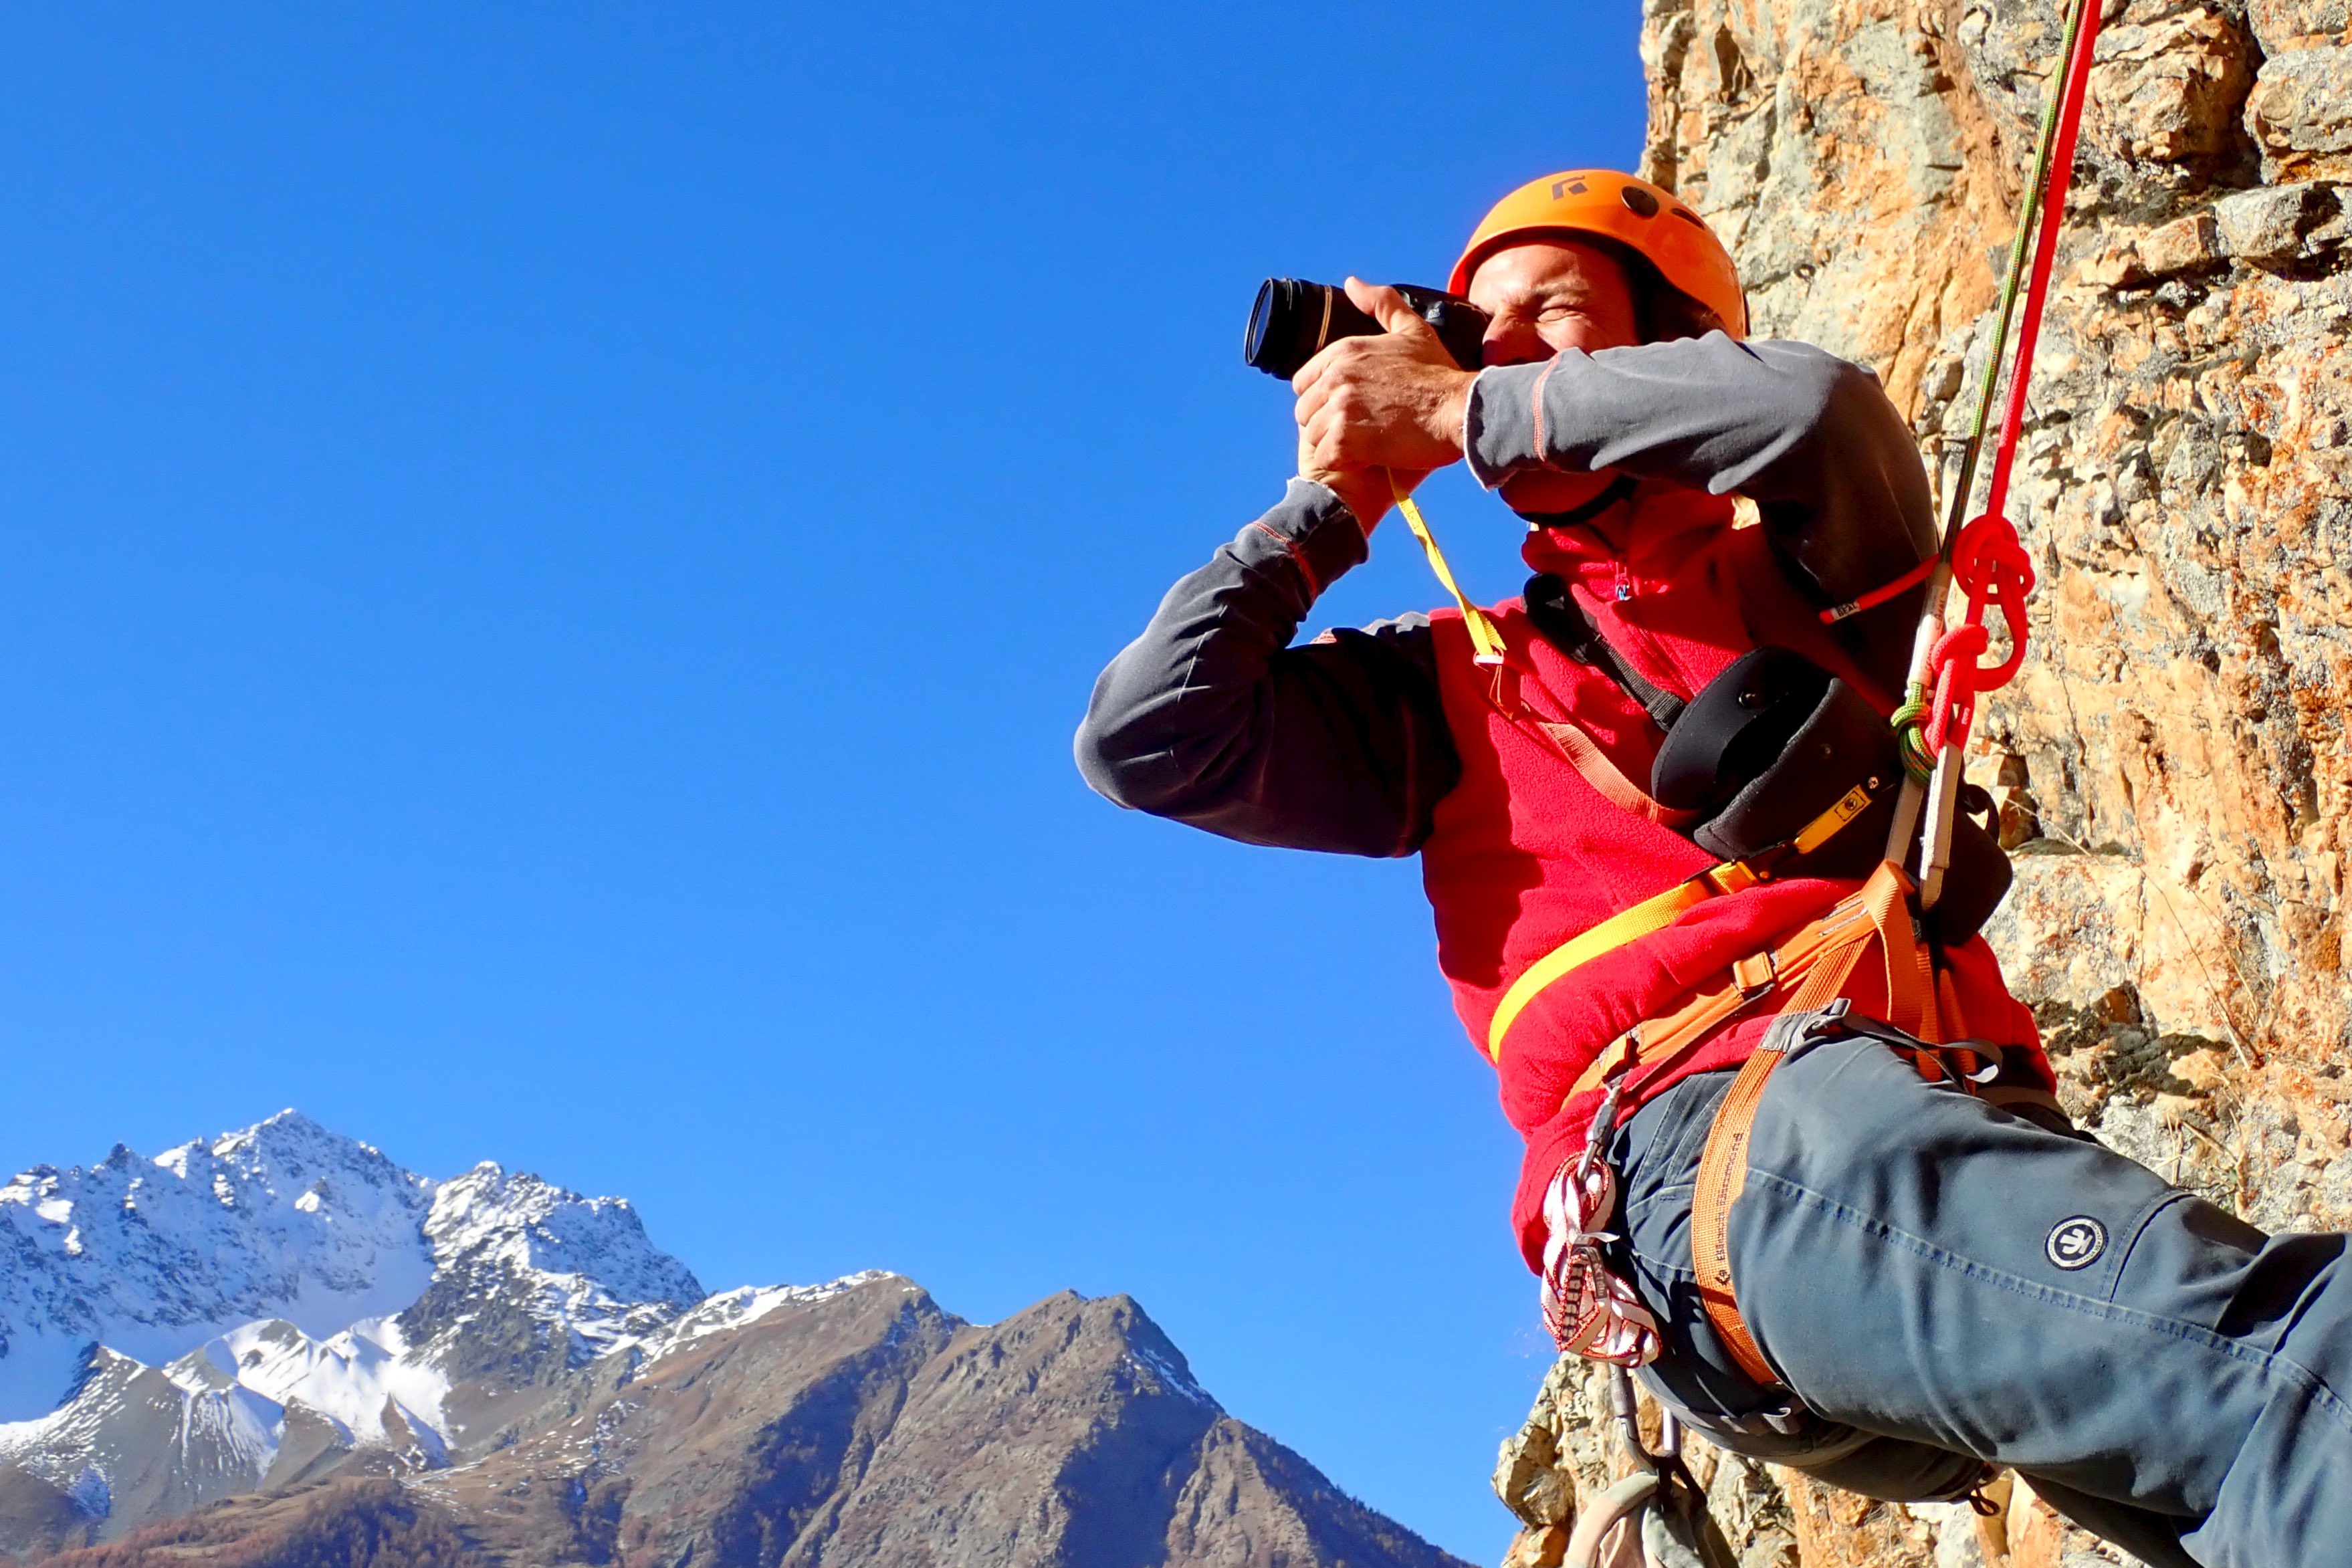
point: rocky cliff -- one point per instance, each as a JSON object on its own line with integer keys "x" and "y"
{"x": 2172, "y": 763}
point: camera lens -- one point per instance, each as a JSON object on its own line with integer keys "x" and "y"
{"x": 1293, "y": 320}
{"x": 1286, "y": 325}
{"x": 1262, "y": 316}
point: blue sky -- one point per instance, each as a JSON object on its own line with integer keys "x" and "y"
{"x": 552, "y": 555}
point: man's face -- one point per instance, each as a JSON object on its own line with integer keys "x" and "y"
{"x": 1546, "y": 295}
{"x": 1550, "y": 295}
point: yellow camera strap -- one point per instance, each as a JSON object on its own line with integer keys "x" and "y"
{"x": 1486, "y": 642}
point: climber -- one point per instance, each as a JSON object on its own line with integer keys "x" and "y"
{"x": 1928, "y": 1272}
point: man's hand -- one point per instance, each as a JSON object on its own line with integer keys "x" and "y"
{"x": 1368, "y": 492}
{"x": 1397, "y": 401}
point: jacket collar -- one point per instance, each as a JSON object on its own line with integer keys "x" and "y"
{"x": 1632, "y": 522}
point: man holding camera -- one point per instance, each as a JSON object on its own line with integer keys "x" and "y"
{"x": 1791, "y": 1146}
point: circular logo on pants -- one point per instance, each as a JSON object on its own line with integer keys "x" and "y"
{"x": 2076, "y": 1243}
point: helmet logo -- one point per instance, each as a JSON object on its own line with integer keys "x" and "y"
{"x": 1573, "y": 185}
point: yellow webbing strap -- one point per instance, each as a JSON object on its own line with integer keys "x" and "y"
{"x": 1625, "y": 925}
{"x": 1651, "y": 914}
{"x": 1486, "y": 643}
{"x": 1657, "y": 913}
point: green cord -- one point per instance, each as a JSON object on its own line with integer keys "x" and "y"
{"x": 1912, "y": 741}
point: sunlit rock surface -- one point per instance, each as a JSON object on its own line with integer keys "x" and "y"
{"x": 2171, "y": 764}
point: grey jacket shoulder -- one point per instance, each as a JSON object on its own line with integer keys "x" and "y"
{"x": 1812, "y": 438}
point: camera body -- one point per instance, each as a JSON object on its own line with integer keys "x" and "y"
{"x": 1294, "y": 321}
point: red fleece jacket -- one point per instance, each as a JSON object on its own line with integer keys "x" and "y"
{"x": 1525, "y": 855}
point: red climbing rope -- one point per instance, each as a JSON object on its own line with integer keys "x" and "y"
{"x": 1991, "y": 568}
{"x": 1988, "y": 563}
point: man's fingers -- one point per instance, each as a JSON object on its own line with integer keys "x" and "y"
{"x": 1328, "y": 439}
{"x": 1386, "y": 306}
{"x": 1316, "y": 369}
{"x": 1328, "y": 431}
{"x": 1337, "y": 443}
{"x": 1311, "y": 400}
{"x": 1320, "y": 436}
{"x": 1367, "y": 399}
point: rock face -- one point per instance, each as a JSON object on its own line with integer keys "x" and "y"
{"x": 341, "y": 1362}
{"x": 2172, "y": 763}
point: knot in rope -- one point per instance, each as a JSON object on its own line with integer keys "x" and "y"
{"x": 1992, "y": 568}
{"x": 1958, "y": 677}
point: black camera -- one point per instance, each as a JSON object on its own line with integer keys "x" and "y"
{"x": 1294, "y": 321}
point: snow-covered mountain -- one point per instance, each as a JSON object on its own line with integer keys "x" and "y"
{"x": 153, "y": 1258}
{"x": 501, "y": 1374}
{"x": 179, "y": 1328}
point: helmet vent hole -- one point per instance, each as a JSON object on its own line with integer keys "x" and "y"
{"x": 1643, "y": 203}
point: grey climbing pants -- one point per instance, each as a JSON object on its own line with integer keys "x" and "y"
{"x": 1942, "y": 1284}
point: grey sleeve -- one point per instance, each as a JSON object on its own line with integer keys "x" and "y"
{"x": 1211, "y": 718}
{"x": 1809, "y": 437}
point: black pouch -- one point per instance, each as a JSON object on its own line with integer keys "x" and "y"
{"x": 1774, "y": 745}
{"x": 1766, "y": 750}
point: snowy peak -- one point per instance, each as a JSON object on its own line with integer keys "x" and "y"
{"x": 153, "y": 1257}
{"x": 525, "y": 1223}
{"x": 357, "y": 1378}
{"x": 529, "y": 1280}
{"x": 291, "y": 1221}
{"x": 283, "y": 1303}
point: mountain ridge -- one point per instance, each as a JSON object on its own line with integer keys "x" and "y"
{"x": 557, "y": 1389}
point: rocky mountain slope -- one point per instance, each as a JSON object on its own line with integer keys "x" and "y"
{"x": 280, "y": 1348}
{"x": 2173, "y": 761}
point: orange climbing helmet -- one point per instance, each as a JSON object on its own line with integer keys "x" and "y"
{"x": 1653, "y": 223}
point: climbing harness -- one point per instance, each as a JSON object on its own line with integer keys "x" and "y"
{"x": 1654, "y": 914}
{"x": 1984, "y": 556}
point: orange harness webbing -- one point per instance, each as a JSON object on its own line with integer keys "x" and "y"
{"x": 1878, "y": 916}
{"x": 1814, "y": 963}
{"x": 1805, "y": 972}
